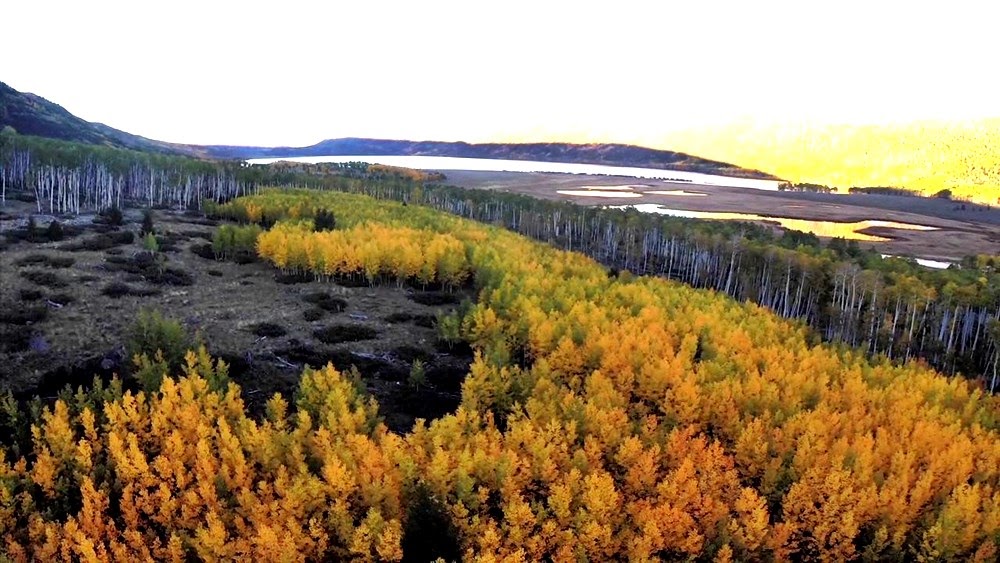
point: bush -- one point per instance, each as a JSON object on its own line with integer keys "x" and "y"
{"x": 48, "y": 279}
{"x": 23, "y": 315}
{"x": 30, "y": 295}
{"x": 119, "y": 289}
{"x": 313, "y": 314}
{"x": 55, "y": 231}
{"x": 32, "y": 228}
{"x": 270, "y": 330}
{"x": 326, "y": 302}
{"x": 150, "y": 244}
{"x": 162, "y": 341}
{"x": 147, "y": 223}
{"x": 344, "y": 333}
{"x": 417, "y": 378}
{"x": 45, "y": 260}
{"x": 433, "y": 298}
{"x": 112, "y": 216}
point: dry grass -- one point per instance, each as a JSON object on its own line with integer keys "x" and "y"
{"x": 927, "y": 156}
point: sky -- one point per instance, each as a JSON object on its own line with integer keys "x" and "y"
{"x": 294, "y": 73}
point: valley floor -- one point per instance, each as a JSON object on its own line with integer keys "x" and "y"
{"x": 962, "y": 229}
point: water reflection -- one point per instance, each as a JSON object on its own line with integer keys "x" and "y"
{"x": 828, "y": 229}
{"x": 676, "y": 193}
{"x": 621, "y": 188}
{"x": 598, "y": 193}
{"x": 499, "y": 165}
{"x": 927, "y": 263}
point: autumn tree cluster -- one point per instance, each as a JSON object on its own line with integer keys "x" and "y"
{"x": 604, "y": 417}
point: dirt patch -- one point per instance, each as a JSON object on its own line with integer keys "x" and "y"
{"x": 72, "y": 332}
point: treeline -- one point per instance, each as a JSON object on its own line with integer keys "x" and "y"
{"x": 846, "y": 294}
{"x": 806, "y": 187}
{"x": 66, "y": 177}
{"x": 884, "y": 190}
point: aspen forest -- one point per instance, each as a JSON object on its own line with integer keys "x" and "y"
{"x": 605, "y": 416}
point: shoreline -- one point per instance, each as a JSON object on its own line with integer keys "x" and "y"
{"x": 961, "y": 232}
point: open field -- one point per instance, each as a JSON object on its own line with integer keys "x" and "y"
{"x": 67, "y": 311}
{"x": 962, "y": 229}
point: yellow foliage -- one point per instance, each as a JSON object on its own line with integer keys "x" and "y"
{"x": 644, "y": 421}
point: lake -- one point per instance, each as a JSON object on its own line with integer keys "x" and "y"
{"x": 445, "y": 163}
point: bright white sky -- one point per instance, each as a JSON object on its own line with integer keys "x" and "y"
{"x": 292, "y": 72}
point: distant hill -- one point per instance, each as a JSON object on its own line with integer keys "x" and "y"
{"x": 30, "y": 114}
{"x": 607, "y": 154}
{"x": 925, "y": 156}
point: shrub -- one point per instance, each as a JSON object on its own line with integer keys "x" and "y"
{"x": 324, "y": 221}
{"x": 433, "y": 298}
{"x": 32, "y": 228}
{"x": 48, "y": 279}
{"x": 147, "y": 223}
{"x": 154, "y": 336}
{"x": 268, "y": 330}
{"x": 30, "y": 295}
{"x": 150, "y": 244}
{"x": 417, "y": 378}
{"x": 55, "y": 231}
{"x": 112, "y": 216}
{"x": 344, "y": 333}
{"x": 23, "y": 315}
{"x": 119, "y": 289}
{"x": 326, "y": 302}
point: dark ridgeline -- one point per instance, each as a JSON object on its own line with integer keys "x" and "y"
{"x": 609, "y": 154}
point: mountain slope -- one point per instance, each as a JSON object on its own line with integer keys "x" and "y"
{"x": 30, "y": 114}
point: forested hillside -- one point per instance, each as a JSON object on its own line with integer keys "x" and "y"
{"x": 884, "y": 306}
{"x": 605, "y": 416}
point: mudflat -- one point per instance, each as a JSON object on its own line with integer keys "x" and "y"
{"x": 961, "y": 228}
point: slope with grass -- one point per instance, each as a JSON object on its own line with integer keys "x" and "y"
{"x": 30, "y": 114}
{"x": 927, "y": 156}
